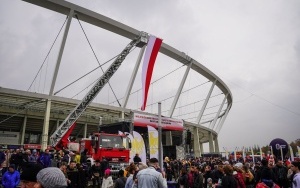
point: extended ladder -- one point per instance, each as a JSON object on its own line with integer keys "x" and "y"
{"x": 56, "y": 137}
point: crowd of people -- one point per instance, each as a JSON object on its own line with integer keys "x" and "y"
{"x": 63, "y": 169}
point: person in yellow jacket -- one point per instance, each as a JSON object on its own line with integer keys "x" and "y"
{"x": 77, "y": 157}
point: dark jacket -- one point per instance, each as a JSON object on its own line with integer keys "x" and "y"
{"x": 229, "y": 181}
{"x": 120, "y": 182}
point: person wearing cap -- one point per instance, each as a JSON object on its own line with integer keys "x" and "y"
{"x": 51, "y": 177}
{"x": 11, "y": 178}
{"x": 149, "y": 177}
{"x": 238, "y": 174}
{"x": 33, "y": 157}
{"x": 28, "y": 176}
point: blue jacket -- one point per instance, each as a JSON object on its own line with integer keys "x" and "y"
{"x": 11, "y": 180}
{"x": 45, "y": 160}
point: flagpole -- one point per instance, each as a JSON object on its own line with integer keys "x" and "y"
{"x": 235, "y": 154}
{"x": 281, "y": 153}
{"x": 159, "y": 137}
{"x": 291, "y": 153}
{"x": 271, "y": 150}
{"x": 252, "y": 155}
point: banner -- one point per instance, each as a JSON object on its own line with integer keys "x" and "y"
{"x": 153, "y": 142}
{"x": 148, "y": 65}
{"x": 139, "y": 146}
{"x": 142, "y": 120}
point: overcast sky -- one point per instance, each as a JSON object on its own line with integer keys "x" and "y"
{"x": 253, "y": 46}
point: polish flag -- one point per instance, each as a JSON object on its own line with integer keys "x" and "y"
{"x": 148, "y": 65}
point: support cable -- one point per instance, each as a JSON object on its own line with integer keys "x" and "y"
{"x": 89, "y": 73}
{"x": 47, "y": 54}
{"x": 97, "y": 60}
{"x": 153, "y": 82}
{"x": 85, "y": 76}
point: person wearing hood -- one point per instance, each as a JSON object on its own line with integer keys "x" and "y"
{"x": 11, "y": 178}
{"x": 107, "y": 179}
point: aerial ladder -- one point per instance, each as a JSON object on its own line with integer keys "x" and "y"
{"x": 68, "y": 124}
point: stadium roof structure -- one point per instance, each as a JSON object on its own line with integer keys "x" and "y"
{"x": 15, "y": 104}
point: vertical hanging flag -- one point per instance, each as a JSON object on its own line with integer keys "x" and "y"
{"x": 148, "y": 65}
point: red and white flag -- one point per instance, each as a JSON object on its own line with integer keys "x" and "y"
{"x": 148, "y": 65}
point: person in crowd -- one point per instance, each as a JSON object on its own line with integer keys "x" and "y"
{"x": 11, "y": 178}
{"x": 83, "y": 157}
{"x": 77, "y": 157}
{"x": 166, "y": 162}
{"x": 104, "y": 165}
{"x": 238, "y": 175}
{"x": 67, "y": 157}
{"x": 33, "y": 158}
{"x": 107, "y": 179}
{"x": 51, "y": 177}
{"x": 248, "y": 177}
{"x": 280, "y": 173}
{"x": 63, "y": 167}
{"x": 121, "y": 181}
{"x": 183, "y": 179}
{"x": 266, "y": 178}
{"x": 2, "y": 157}
{"x": 17, "y": 158}
{"x": 149, "y": 177}
{"x": 264, "y": 168}
{"x": 29, "y": 173}
{"x": 198, "y": 178}
{"x": 137, "y": 159}
{"x": 131, "y": 169}
{"x": 290, "y": 175}
{"x": 169, "y": 172}
{"x": 73, "y": 175}
{"x": 45, "y": 159}
{"x": 5, "y": 164}
{"x": 82, "y": 174}
{"x": 295, "y": 166}
{"x": 95, "y": 173}
{"x": 209, "y": 183}
{"x": 217, "y": 173}
{"x": 228, "y": 180}
{"x": 191, "y": 176}
{"x": 207, "y": 174}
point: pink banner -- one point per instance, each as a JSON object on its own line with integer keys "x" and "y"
{"x": 142, "y": 120}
